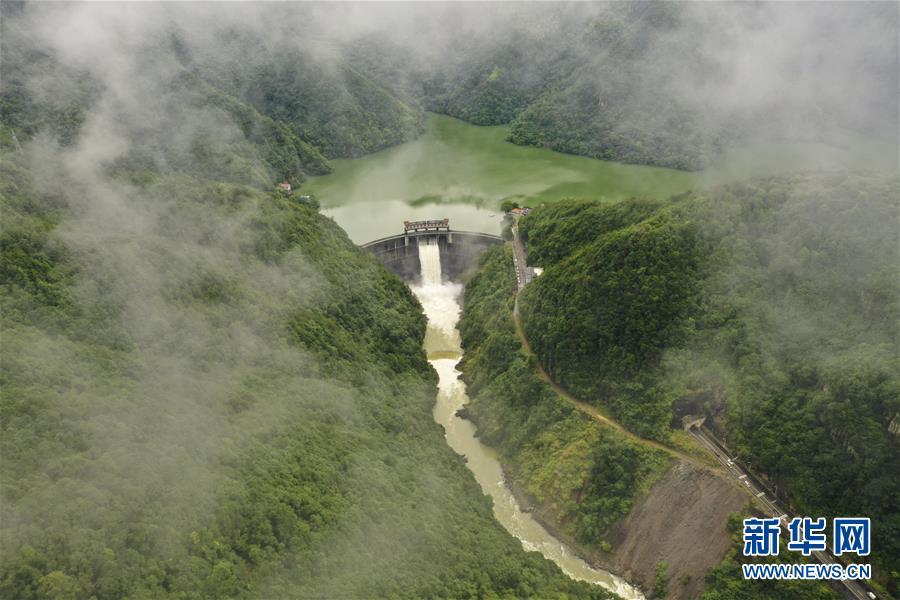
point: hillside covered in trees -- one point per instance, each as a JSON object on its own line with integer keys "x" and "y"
{"x": 208, "y": 391}
{"x": 583, "y": 478}
{"x": 227, "y": 108}
{"x": 661, "y": 84}
{"x": 672, "y": 84}
{"x": 589, "y": 474}
{"x": 769, "y": 306}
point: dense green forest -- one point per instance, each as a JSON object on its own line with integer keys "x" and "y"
{"x": 770, "y": 306}
{"x": 339, "y": 109}
{"x": 244, "y": 113}
{"x": 208, "y": 391}
{"x": 584, "y": 475}
{"x": 244, "y": 147}
{"x": 644, "y": 268}
{"x": 575, "y": 91}
{"x": 601, "y": 110}
{"x": 597, "y": 80}
{"x": 637, "y": 82}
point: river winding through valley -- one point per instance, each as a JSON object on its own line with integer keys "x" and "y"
{"x": 440, "y": 300}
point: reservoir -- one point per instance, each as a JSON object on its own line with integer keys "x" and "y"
{"x": 463, "y": 172}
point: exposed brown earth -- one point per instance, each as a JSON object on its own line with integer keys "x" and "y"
{"x": 681, "y": 521}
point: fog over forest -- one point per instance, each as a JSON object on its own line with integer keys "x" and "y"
{"x": 179, "y": 341}
{"x": 724, "y": 72}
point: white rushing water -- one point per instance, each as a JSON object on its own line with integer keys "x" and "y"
{"x": 440, "y": 300}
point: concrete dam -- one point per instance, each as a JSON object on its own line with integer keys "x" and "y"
{"x": 459, "y": 250}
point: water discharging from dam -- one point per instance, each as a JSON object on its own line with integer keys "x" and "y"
{"x": 440, "y": 300}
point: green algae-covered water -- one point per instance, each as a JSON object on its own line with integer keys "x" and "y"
{"x": 464, "y": 172}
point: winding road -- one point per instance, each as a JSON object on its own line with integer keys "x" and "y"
{"x": 592, "y": 411}
{"x": 743, "y": 478}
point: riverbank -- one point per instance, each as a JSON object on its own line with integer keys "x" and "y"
{"x": 542, "y": 515}
{"x": 440, "y": 301}
{"x": 679, "y": 522}
{"x": 591, "y": 485}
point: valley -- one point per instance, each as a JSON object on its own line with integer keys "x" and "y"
{"x": 274, "y": 322}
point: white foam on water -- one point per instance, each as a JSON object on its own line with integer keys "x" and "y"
{"x": 440, "y": 301}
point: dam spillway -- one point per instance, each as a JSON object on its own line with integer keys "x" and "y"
{"x": 458, "y": 251}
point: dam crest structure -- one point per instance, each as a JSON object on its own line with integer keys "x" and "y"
{"x": 459, "y": 250}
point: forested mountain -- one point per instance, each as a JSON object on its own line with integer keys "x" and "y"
{"x": 641, "y": 82}
{"x": 671, "y": 84}
{"x": 257, "y": 112}
{"x": 208, "y": 390}
{"x": 589, "y": 475}
{"x": 228, "y": 138}
{"x": 575, "y": 90}
{"x": 329, "y": 103}
{"x": 769, "y": 306}
{"x": 589, "y": 481}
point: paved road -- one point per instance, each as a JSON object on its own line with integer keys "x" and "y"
{"x": 519, "y": 258}
{"x": 752, "y": 486}
{"x": 745, "y": 479}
